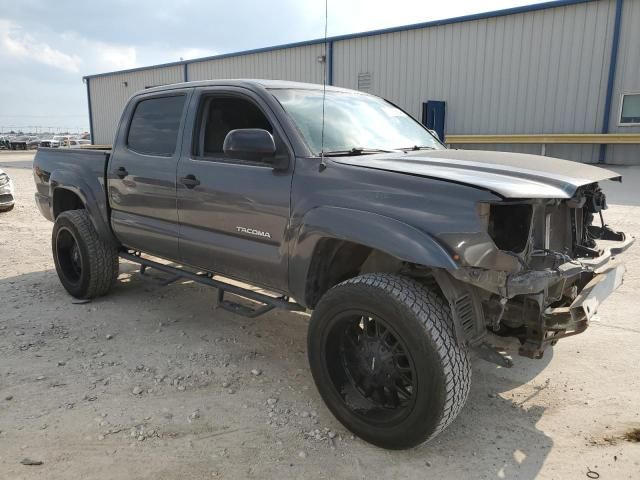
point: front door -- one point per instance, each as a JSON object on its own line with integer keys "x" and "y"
{"x": 233, "y": 213}
{"x": 142, "y": 173}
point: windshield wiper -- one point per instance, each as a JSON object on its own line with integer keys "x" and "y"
{"x": 417, "y": 147}
{"x": 354, "y": 152}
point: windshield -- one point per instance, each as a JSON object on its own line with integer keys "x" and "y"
{"x": 353, "y": 122}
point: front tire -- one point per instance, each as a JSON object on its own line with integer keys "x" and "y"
{"x": 86, "y": 264}
{"x": 384, "y": 357}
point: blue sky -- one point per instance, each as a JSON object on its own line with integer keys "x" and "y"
{"x": 47, "y": 47}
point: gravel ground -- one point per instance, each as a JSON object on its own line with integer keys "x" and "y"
{"x": 155, "y": 382}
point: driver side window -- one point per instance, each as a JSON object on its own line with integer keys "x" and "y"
{"x": 220, "y": 115}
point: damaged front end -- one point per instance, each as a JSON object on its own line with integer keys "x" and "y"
{"x": 543, "y": 266}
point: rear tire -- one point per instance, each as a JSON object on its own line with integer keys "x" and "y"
{"x": 6, "y": 209}
{"x": 384, "y": 357}
{"x": 86, "y": 265}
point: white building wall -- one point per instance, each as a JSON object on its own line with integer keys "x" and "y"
{"x": 298, "y": 63}
{"x": 627, "y": 81}
{"x": 535, "y": 72}
{"x": 110, "y": 93}
{"x": 542, "y": 71}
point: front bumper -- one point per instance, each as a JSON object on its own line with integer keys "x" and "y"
{"x": 553, "y": 303}
{"x": 508, "y": 285}
{"x": 538, "y": 280}
{"x": 6, "y": 195}
{"x": 604, "y": 282}
{"x": 604, "y": 275}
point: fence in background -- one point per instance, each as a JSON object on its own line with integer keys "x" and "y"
{"x": 545, "y": 139}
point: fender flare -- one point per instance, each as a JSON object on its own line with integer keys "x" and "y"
{"x": 96, "y": 205}
{"x": 379, "y": 232}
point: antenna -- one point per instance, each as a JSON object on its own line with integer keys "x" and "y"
{"x": 323, "y": 165}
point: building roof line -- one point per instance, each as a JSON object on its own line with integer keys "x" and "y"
{"x": 414, "y": 26}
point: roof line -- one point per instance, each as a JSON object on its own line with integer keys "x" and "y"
{"x": 414, "y": 26}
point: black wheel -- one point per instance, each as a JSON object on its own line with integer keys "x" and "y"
{"x": 384, "y": 358}
{"x": 6, "y": 209}
{"x": 87, "y": 265}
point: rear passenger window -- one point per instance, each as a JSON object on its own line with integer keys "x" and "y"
{"x": 154, "y": 126}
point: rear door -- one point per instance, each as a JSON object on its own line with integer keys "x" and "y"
{"x": 142, "y": 172}
{"x": 233, "y": 213}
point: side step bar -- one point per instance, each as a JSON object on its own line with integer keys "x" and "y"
{"x": 268, "y": 302}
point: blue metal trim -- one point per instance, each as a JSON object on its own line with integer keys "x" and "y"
{"x": 615, "y": 43}
{"x": 186, "y": 72}
{"x": 88, "y": 80}
{"x": 329, "y": 61}
{"x": 403, "y": 28}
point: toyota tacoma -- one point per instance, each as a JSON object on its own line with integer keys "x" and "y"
{"x": 338, "y": 202}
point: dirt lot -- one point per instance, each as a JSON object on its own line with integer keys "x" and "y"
{"x": 155, "y": 382}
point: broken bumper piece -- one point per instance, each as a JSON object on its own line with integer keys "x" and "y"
{"x": 574, "y": 318}
{"x": 561, "y": 322}
{"x": 508, "y": 285}
{"x": 553, "y": 303}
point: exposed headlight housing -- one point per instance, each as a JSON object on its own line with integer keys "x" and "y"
{"x": 508, "y": 224}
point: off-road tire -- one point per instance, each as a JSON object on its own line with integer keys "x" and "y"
{"x": 422, "y": 320}
{"x": 100, "y": 265}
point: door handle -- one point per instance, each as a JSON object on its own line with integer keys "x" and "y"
{"x": 190, "y": 181}
{"x": 121, "y": 172}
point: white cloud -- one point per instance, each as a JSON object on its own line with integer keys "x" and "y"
{"x": 16, "y": 43}
{"x": 46, "y": 49}
{"x": 95, "y": 54}
{"x": 113, "y": 57}
{"x": 191, "y": 53}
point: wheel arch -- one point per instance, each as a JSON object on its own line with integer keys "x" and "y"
{"x": 75, "y": 194}
{"x": 333, "y": 243}
{"x": 65, "y": 199}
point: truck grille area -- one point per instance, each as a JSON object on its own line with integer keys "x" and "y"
{"x": 568, "y": 228}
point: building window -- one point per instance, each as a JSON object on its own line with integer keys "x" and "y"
{"x": 630, "y": 109}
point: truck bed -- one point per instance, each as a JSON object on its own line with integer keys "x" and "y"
{"x": 80, "y": 171}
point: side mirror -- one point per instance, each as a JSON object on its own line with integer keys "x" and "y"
{"x": 254, "y": 144}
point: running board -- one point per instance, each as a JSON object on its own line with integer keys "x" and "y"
{"x": 243, "y": 310}
{"x": 268, "y": 302}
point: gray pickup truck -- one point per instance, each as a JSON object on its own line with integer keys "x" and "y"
{"x": 408, "y": 253}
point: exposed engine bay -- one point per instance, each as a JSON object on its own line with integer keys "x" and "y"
{"x": 554, "y": 266}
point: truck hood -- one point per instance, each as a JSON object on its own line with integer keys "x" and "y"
{"x": 510, "y": 175}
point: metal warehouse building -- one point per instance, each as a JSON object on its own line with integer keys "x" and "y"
{"x": 560, "y": 78}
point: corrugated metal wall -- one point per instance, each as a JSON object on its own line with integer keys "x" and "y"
{"x": 627, "y": 81}
{"x": 535, "y": 72}
{"x": 298, "y": 63}
{"x": 542, "y": 71}
{"x": 109, "y": 95}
